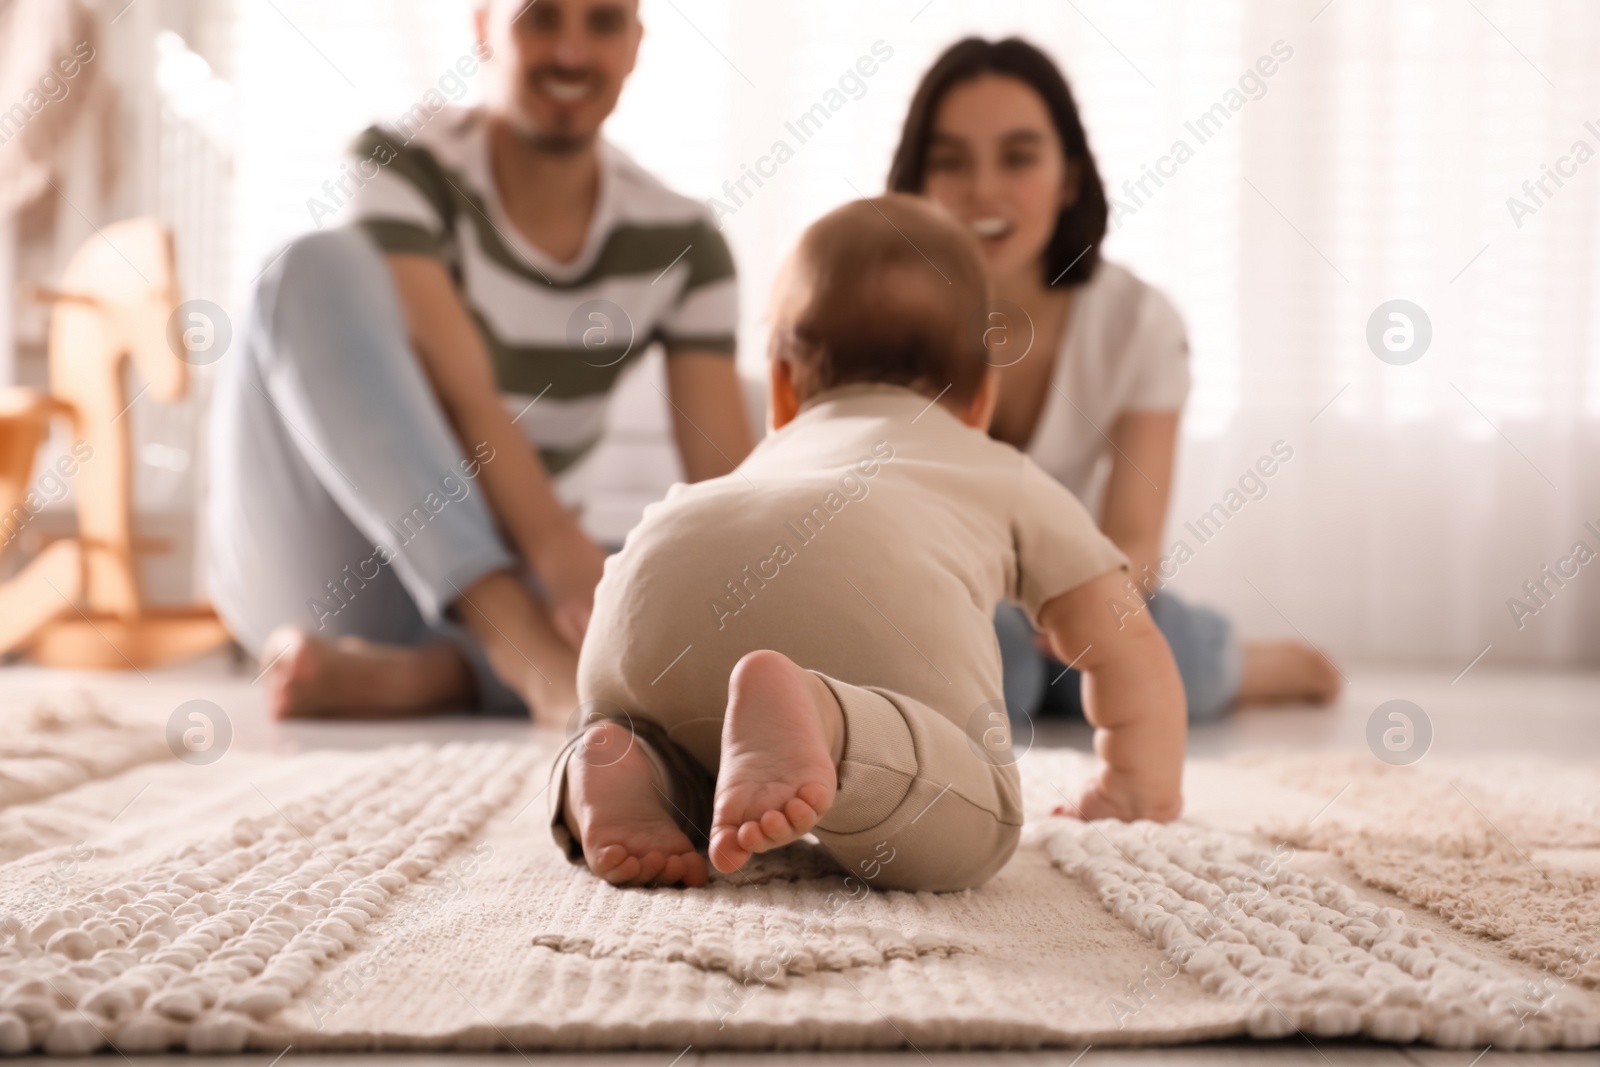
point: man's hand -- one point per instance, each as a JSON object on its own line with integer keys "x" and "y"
{"x": 568, "y": 565}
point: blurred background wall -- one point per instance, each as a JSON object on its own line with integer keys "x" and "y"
{"x": 1384, "y": 158}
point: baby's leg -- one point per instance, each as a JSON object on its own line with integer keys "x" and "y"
{"x": 621, "y": 806}
{"x": 902, "y": 798}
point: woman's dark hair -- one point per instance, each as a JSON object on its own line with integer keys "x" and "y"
{"x": 1079, "y": 227}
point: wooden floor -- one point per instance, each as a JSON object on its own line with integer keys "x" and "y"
{"x": 1482, "y": 712}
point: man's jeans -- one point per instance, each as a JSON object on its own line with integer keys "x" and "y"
{"x": 340, "y": 499}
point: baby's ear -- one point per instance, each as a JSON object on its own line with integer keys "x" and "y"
{"x": 783, "y": 402}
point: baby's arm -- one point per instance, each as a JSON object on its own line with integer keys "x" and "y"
{"x": 1132, "y": 695}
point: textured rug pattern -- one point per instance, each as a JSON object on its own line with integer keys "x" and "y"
{"x": 1304, "y": 953}
{"x": 52, "y": 747}
{"x": 232, "y": 927}
{"x": 410, "y": 898}
{"x": 1512, "y": 862}
{"x": 768, "y": 944}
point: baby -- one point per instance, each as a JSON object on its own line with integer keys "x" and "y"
{"x": 806, "y": 645}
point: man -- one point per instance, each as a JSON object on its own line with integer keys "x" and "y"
{"x": 409, "y": 385}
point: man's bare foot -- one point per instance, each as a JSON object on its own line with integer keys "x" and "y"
{"x": 616, "y": 808}
{"x": 348, "y": 678}
{"x": 1286, "y": 672}
{"x": 782, "y": 739}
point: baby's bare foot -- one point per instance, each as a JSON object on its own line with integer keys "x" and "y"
{"x": 616, "y": 808}
{"x": 780, "y": 746}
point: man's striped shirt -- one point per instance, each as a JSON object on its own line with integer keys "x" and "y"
{"x": 653, "y": 269}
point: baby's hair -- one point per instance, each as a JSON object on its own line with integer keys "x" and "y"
{"x": 885, "y": 290}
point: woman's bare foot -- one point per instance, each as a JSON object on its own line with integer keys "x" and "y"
{"x": 348, "y": 678}
{"x": 616, "y": 808}
{"x": 1286, "y": 672}
{"x": 782, "y": 739}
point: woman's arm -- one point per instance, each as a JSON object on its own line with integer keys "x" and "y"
{"x": 521, "y": 495}
{"x": 708, "y": 415}
{"x": 1135, "y": 506}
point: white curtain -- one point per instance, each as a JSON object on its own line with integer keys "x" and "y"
{"x": 1374, "y": 163}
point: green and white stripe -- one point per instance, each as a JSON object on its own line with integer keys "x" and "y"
{"x": 652, "y": 253}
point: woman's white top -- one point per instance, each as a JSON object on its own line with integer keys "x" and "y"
{"x": 1125, "y": 349}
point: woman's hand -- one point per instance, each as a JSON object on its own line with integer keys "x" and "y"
{"x": 569, "y": 566}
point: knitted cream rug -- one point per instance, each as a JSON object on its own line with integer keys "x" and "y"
{"x": 410, "y": 898}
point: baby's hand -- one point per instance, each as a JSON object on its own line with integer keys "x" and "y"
{"x": 1113, "y": 801}
{"x": 1132, "y": 695}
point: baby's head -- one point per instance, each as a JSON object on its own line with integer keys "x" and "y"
{"x": 885, "y": 290}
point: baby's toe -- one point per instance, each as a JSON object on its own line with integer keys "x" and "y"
{"x": 681, "y": 870}
{"x": 606, "y": 858}
{"x": 776, "y": 825}
{"x": 727, "y": 854}
{"x": 651, "y": 865}
{"x": 694, "y": 870}
{"x": 615, "y": 865}
{"x": 816, "y": 796}
{"x": 752, "y": 837}
{"x": 800, "y": 815}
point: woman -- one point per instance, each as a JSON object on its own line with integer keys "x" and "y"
{"x": 993, "y": 135}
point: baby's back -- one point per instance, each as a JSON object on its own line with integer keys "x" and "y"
{"x": 869, "y": 540}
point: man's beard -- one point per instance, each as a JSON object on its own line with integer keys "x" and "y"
{"x": 553, "y": 141}
{"x": 549, "y": 142}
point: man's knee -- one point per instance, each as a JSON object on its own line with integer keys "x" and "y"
{"x": 328, "y": 276}
{"x": 323, "y": 259}
{"x": 327, "y": 306}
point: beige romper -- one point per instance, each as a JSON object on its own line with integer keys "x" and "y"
{"x": 870, "y": 541}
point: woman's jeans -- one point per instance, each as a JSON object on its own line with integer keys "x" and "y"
{"x": 340, "y": 499}
{"x": 1202, "y": 642}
